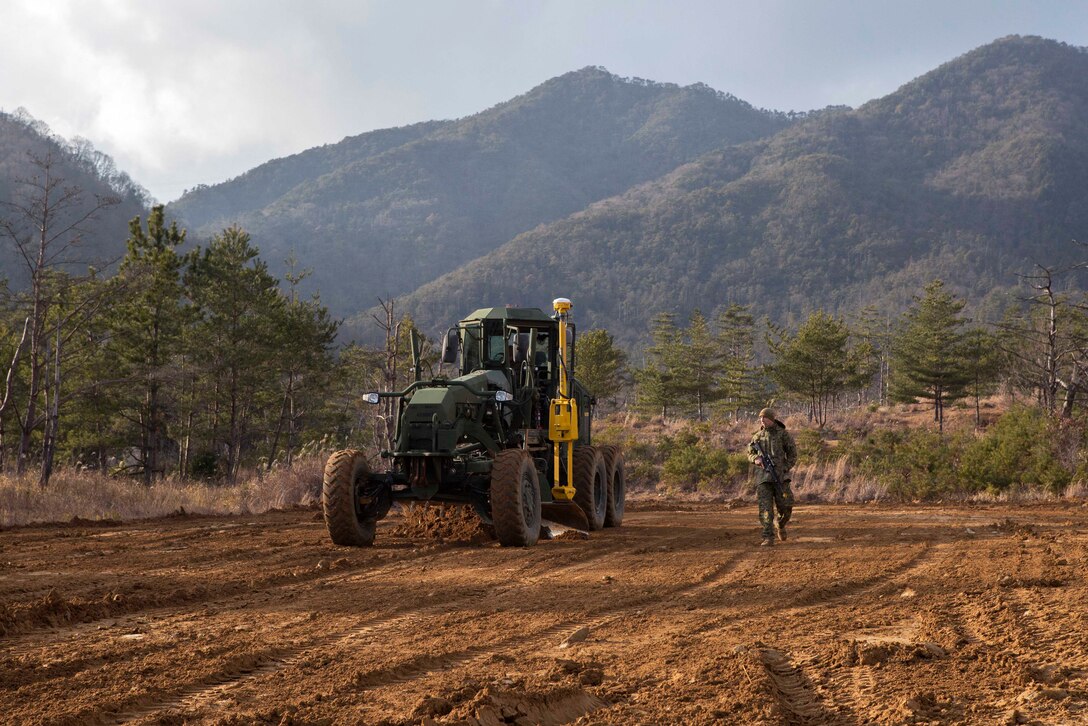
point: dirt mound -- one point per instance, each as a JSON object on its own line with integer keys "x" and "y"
{"x": 445, "y": 523}
{"x": 494, "y": 706}
{"x": 84, "y": 523}
{"x": 1011, "y": 526}
{"x": 570, "y": 534}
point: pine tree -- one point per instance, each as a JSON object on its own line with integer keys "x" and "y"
{"x": 984, "y": 363}
{"x": 659, "y": 380}
{"x": 699, "y": 376}
{"x": 875, "y": 331}
{"x": 146, "y": 323}
{"x": 929, "y": 356}
{"x": 742, "y": 385}
{"x": 233, "y": 343}
{"x": 302, "y": 364}
{"x": 601, "y": 364}
{"x": 817, "y": 362}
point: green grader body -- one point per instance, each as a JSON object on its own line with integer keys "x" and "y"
{"x": 492, "y": 437}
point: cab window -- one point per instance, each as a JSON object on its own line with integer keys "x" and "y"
{"x": 496, "y": 349}
{"x": 470, "y": 348}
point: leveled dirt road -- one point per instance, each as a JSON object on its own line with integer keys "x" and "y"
{"x": 869, "y": 614}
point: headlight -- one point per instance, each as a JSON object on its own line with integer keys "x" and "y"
{"x": 371, "y": 398}
{"x": 503, "y": 396}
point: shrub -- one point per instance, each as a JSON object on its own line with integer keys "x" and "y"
{"x": 914, "y": 463}
{"x": 695, "y": 464}
{"x": 811, "y": 447}
{"x": 1018, "y": 451}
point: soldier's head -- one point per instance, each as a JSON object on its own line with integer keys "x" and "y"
{"x": 768, "y": 418}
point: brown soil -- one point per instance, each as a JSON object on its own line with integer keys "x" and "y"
{"x": 867, "y": 614}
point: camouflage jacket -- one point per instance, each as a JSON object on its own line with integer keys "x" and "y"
{"x": 779, "y": 444}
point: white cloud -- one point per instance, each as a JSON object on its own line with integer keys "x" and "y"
{"x": 182, "y": 93}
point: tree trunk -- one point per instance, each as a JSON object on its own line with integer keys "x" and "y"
{"x": 279, "y": 424}
{"x": 1071, "y": 392}
{"x": 8, "y": 385}
{"x": 34, "y": 387}
{"x": 49, "y": 444}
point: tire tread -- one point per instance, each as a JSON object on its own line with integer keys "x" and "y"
{"x": 337, "y": 500}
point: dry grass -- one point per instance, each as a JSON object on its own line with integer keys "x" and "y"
{"x": 1076, "y": 490}
{"x": 835, "y": 482}
{"x": 73, "y": 494}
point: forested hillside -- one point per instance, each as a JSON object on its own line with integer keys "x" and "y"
{"x": 25, "y": 146}
{"x": 382, "y": 213}
{"x": 971, "y": 173}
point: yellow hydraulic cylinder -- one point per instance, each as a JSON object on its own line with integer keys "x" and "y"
{"x": 563, "y": 429}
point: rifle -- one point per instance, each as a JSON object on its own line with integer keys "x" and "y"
{"x": 768, "y": 466}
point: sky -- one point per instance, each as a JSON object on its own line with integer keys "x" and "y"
{"x": 200, "y": 91}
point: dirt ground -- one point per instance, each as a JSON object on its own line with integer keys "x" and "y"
{"x": 867, "y": 614}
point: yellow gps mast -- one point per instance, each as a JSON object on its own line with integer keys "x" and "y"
{"x": 564, "y": 414}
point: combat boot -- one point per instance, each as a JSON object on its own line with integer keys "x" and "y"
{"x": 782, "y": 532}
{"x": 767, "y": 542}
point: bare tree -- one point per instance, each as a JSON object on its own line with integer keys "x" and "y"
{"x": 392, "y": 351}
{"x": 1048, "y": 347}
{"x": 46, "y": 221}
{"x": 9, "y": 382}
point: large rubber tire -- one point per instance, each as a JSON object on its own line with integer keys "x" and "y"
{"x": 515, "y": 499}
{"x": 617, "y": 485}
{"x": 344, "y": 472}
{"x": 591, "y": 485}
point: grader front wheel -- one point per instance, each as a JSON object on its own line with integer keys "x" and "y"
{"x": 515, "y": 499}
{"x": 344, "y": 473}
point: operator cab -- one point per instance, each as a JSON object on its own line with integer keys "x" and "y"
{"x": 521, "y": 343}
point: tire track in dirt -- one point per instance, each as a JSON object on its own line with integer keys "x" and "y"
{"x": 886, "y": 580}
{"x": 197, "y": 695}
{"x": 77, "y": 613}
{"x": 72, "y": 613}
{"x": 881, "y": 583}
{"x": 1067, "y": 651}
{"x": 851, "y": 685}
{"x": 273, "y": 661}
{"x": 736, "y": 566}
{"x": 958, "y": 589}
{"x": 863, "y": 692}
{"x": 311, "y": 579}
{"x": 853, "y": 688}
{"x": 270, "y": 662}
{"x": 422, "y": 666}
{"x": 996, "y": 637}
{"x": 814, "y": 692}
{"x": 79, "y": 617}
{"x": 267, "y": 663}
{"x": 603, "y": 617}
{"x": 251, "y": 666}
{"x": 795, "y": 690}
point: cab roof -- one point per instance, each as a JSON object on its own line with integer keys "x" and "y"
{"x": 527, "y": 314}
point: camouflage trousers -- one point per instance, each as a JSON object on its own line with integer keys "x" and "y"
{"x": 769, "y": 499}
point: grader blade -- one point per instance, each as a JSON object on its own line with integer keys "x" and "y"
{"x": 567, "y": 514}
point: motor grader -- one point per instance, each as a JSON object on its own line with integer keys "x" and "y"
{"x": 510, "y": 435}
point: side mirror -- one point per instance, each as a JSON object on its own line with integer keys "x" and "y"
{"x": 521, "y": 348}
{"x": 451, "y": 346}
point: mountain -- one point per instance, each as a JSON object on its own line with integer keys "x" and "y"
{"x": 972, "y": 173}
{"x": 382, "y": 213}
{"x": 24, "y": 139}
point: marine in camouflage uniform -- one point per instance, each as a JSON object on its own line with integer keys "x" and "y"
{"x": 779, "y": 445}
